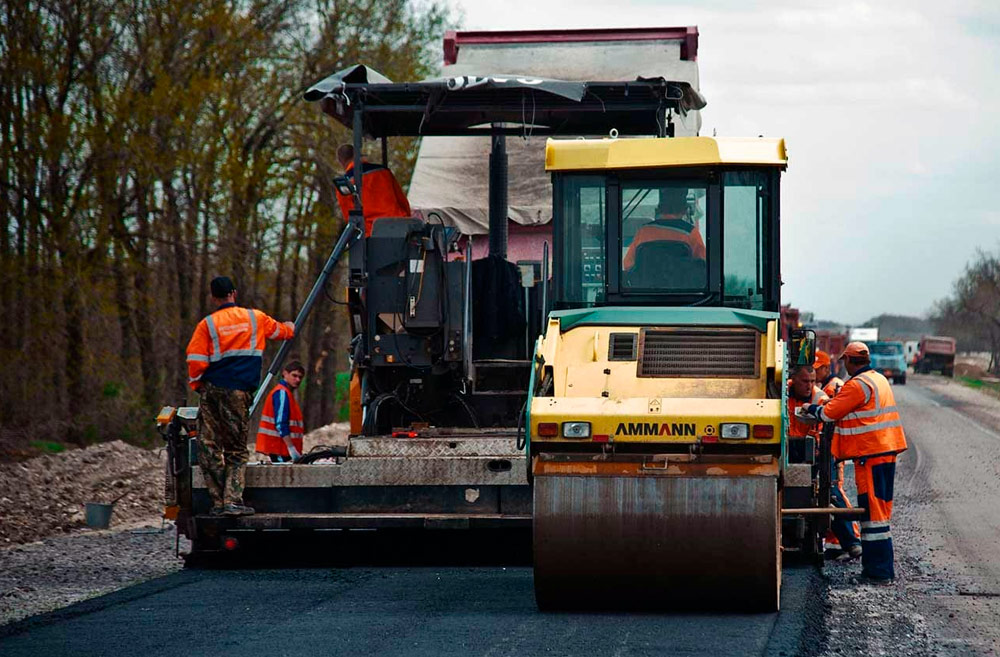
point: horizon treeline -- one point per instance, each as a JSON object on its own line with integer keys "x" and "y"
{"x": 148, "y": 146}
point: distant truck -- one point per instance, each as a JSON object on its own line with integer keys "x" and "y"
{"x": 936, "y": 354}
{"x": 911, "y": 347}
{"x": 889, "y": 358}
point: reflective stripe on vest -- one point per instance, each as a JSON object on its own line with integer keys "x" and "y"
{"x": 218, "y": 354}
{"x": 873, "y": 429}
{"x": 269, "y": 441}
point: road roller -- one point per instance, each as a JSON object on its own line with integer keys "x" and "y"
{"x": 655, "y": 424}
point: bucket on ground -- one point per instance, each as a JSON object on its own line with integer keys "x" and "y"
{"x": 99, "y": 515}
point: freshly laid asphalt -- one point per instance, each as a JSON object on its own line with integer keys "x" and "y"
{"x": 389, "y": 610}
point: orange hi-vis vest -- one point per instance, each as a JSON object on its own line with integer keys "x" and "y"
{"x": 668, "y": 228}
{"x": 868, "y": 423}
{"x": 227, "y": 347}
{"x": 796, "y": 427}
{"x": 833, "y": 386}
{"x": 281, "y": 417}
{"x": 381, "y": 195}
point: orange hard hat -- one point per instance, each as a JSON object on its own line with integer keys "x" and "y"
{"x": 822, "y": 358}
{"x": 855, "y": 350}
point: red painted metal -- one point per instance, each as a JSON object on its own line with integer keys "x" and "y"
{"x": 688, "y": 36}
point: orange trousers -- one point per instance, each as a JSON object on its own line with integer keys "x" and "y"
{"x": 875, "y": 476}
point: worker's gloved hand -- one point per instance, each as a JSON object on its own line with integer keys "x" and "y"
{"x": 294, "y": 454}
{"x": 813, "y": 410}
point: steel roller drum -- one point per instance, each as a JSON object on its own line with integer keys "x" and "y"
{"x": 655, "y": 541}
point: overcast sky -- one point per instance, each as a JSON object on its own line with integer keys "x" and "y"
{"x": 891, "y": 112}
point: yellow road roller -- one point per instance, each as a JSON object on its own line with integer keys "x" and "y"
{"x": 655, "y": 420}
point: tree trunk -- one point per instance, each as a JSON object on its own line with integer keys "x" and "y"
{"x": 182, "y": 272}
{"x": 144, "y": 306}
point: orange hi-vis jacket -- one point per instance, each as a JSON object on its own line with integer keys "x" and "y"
{"x": 381, "y": 195}
{"x": 227, "y": 347}
{"x": 868, "y": 423}
{"x": 833, "y": 386}
{"x": 281, "y": 417}
{"x": 668, "y": 228}
{"x": 796, "y": 427}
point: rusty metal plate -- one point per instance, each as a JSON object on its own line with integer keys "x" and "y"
{"x": 798, "y": 475}
{"x": 387, "y": 471}
{"x": 656, "y": 542}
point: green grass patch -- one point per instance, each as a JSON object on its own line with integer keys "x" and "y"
{"x": 48, "y": 446}
{"x": 343, "y": 396}
{"x": 978, "y": 384}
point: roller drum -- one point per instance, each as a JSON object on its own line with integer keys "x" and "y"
{"x": 655, "y": 541}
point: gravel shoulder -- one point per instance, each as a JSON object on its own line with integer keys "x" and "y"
{"x": 944, "y": 600}
{"x": 49, "y": 558}
{"x": 61, "y": 570}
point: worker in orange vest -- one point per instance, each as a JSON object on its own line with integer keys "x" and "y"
{"x": 279, "y": 435}
{"x": 824, "y": 375}
{"x": 803, "y": 391}
{"x": 224, "y": 360}
{"x": 869, "y": 431}
{"x": 381, "y": 195}
{"x": 673, "y": 224}
{"x": 839, "y": 528}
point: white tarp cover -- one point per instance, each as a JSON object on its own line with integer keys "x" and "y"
{"x": 451, "y": 175}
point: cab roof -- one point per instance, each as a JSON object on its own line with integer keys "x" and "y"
{"x": 651, "y": 153}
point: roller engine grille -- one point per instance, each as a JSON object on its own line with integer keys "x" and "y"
{"x": 720, "y": 353}
{"x": 622, "y": 346}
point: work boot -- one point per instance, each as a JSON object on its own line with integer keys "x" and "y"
{"x": 217, "y": 511}
{"x": 872, "y": 581}
{"x": 853, "y": 552}
{"x": 237, "y": 510}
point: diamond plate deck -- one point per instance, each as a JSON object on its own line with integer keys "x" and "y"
{"x": 499, "y": 446}
{"x": 388, "y": 471}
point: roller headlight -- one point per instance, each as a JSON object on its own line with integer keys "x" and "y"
{"x": 576, "y": 429}
{"x": 734, "y": 431}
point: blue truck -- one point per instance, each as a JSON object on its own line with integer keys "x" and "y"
{"x": 889, "y": 358}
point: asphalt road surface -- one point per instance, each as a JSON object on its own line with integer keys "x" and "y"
{"x": 408, "y": 597}
{"x": 389, "y": 610}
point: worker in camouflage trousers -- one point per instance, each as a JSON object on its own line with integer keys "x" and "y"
{"x": 223, "y": 425}
{"x": 224, "y": 359}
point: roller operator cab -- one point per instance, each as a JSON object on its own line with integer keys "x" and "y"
{"x": 656, "y": 415}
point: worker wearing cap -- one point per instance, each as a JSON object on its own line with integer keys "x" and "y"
{"x": 673, "y": 224}
{"x": 279, "y": 435}
{"x": 869, "y": 431}
{"x": 824, "y": 374}
{"x": 224, "y": 360}
{"x": 381, "y": 195}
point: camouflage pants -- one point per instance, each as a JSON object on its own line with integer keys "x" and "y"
{"x": 222, "y": 442}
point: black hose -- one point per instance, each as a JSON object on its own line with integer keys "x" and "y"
{"x": 522, "y": 434}
{"x": 318, "y": 454}
{"x": 468, "y": 409}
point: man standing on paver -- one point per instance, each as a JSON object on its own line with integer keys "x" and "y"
{"x": 224, "y": 359}
{"x": 869, "y": 431}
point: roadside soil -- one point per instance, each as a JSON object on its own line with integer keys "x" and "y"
{"x": 49, "y": 558}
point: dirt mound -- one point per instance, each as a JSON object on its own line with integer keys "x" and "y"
{"x": 970, "y": 370}
{"x": 47, "y": 495}
{"x": 330, "y": 435}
